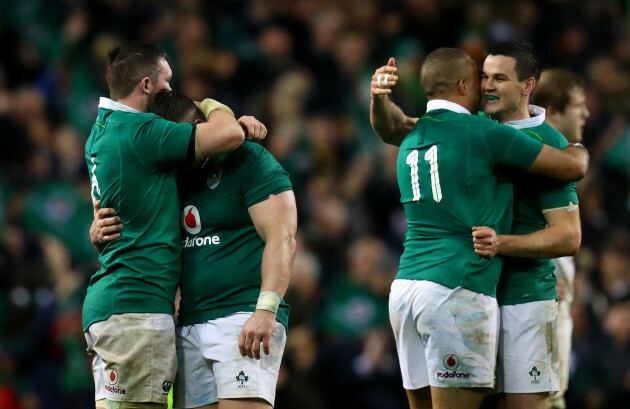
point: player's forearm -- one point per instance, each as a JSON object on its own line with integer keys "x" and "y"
{"x": 568, "y": 165}
{"x": 545, "y": 243}
{"x": 277, "y": 263}
{"x": 219, "y": 135}
{"x": 388, "y": 120}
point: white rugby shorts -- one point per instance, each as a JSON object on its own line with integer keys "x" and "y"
{"x": 528, "y": 348}
{"x": 445, "y": 337}
{"x": 211, "y": 366}
{"x": 133, "y": 357}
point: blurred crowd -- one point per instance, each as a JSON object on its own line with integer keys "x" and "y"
{"x": 303, "y": 67}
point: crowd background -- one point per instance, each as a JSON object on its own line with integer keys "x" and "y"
{"x": 303, "y": 67}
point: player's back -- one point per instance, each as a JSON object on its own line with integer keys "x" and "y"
{"x": 131, "y": 159}
{"x": 448, "y": 178}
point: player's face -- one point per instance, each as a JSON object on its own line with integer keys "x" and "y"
{"x": 164, "y": 78}
{"x": 501, "y": 90}
{"x": 571, "y": 122}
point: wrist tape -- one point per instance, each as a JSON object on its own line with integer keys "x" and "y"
{"x": 208, "y": 105}
{"x": 269, "y": 301}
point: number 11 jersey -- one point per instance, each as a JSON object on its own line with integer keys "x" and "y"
{"x": 449, "y": 176}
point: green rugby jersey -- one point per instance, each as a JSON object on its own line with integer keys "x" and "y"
{"x": 449, "y": 182}
{"x": 526, "y": 280}
{"x": 221, "y": 249}
{"x": 131, "y": 158}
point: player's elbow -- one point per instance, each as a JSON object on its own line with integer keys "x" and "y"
{"x": 226, "y": 140}
{"x": 286, "y": 235}
{"x": 234, "y": 138}
{"x": 577, "y": 172}
{"x": 382, "y": 133}
{"x": 291, "y": 245}
{"x": 572, "y": 241}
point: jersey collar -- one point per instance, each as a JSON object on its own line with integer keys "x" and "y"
{"x": 115, "y": 106}
{"x": 444, "y": 104}
{"x": 537, "y": 118}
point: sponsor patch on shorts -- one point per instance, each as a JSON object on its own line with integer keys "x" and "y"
{"x": 451, "y": 363}
{"x": 112, "y": 381}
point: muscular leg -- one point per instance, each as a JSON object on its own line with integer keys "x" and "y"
{"x": 419, "y": 398}
{"x": 457, "y": 398}
{"x": 526, "y": 400}
{"x": 253, "y": 403}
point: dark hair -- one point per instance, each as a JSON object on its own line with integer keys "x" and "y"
{"x": 174, "y": 106}
{"x": 555, "y": 87}
{"x": 128, "y": 64}
{"x": 523, "y": 53}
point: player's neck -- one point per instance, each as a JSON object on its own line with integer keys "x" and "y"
{"x": 134, "y": 101}
{"x": 520, "y": 113}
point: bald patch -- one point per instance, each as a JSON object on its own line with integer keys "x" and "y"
{"x": 442, "y": 69}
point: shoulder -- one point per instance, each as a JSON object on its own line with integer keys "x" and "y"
{"x": 252, "y": 148}
{"x": 486, "y": 127}
{"x": 548, "y": 135}
{"x": 251, "y": 151}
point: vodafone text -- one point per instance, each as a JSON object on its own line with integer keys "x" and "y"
{"x": 113, "y": 389}
{"x": 453, "y": 374}
{"x": 201, "y": 241}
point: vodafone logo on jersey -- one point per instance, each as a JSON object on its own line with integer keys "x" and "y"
{"x": 191, "y": 222}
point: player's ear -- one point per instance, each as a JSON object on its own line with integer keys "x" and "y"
{"x": 463, "y": 86}
{"x": 530, "y": 84}
{"x": 145, "y": 85}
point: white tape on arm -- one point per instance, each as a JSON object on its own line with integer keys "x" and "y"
{"x": 208, "y": 105}
{"x": 269, "y": 301}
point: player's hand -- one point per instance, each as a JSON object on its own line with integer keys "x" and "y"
{"x": 254, "y": 129}
{"x": 105, "y": 227}
{"x": 256, "y": 330}
{"x": 384, "y": 79}
{"x": 486, "y": 241}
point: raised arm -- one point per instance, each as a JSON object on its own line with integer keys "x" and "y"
{"x": 569, "y": 164}
{"x": 387, "y": 119}
{"x": 222, "y": 132}
{"x": 275, "y": 220}
{"x": 561, "y": 237}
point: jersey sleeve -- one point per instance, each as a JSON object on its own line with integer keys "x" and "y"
{"x": 266, "y": 177}
{"x": 554, "y": 194}
{"x": 511, "y": 147}
{"x": 558, "y": 195}
{"x": 163, "y": 143}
